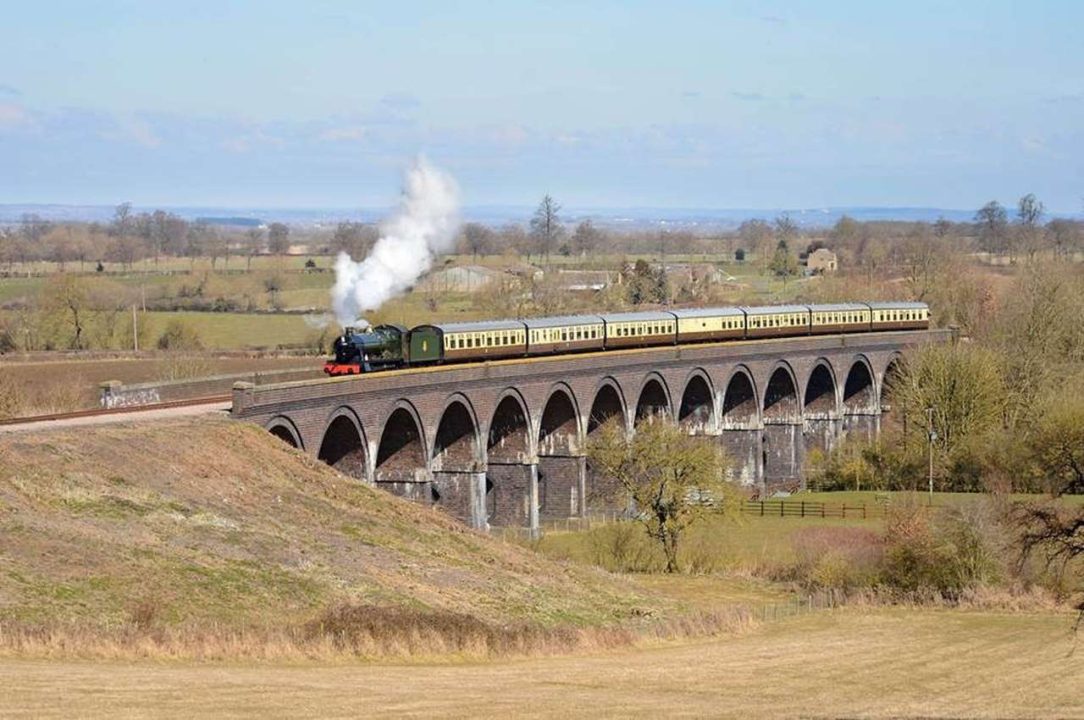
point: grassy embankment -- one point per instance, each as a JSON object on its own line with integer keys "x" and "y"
{"x": 210, "y": 538}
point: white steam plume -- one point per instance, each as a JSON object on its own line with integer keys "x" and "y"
{"x": 424, "y": 226}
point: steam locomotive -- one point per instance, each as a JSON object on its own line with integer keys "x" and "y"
{"x": 385, "y": 347}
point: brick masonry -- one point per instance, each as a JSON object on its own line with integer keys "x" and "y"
{"x": 500, "y": 443}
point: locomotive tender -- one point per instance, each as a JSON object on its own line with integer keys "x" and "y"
{"x": 391, "y": 346}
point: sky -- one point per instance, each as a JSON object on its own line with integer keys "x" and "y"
{"x": 601, "y": 104}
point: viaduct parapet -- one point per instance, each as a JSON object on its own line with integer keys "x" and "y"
{"x": 503, "y": 443}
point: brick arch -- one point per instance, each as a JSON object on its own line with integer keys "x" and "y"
{"x": 509, "y": 436}
{"x": 741, "y": 401}
{"x": 860, "y": 387}
{"x": 403, "y": 449}
{"x": 343, "y": 445}
{"x": 696, "y": 412}
{"x": 781, "y": 399}
{"x": 607, "y": 403}
{"x": 456, "y": 441}
{"x": 559, "y": 426}
{"x": 892, "y": 373}
{"x": 820, "y": 397}
{"x": 284, "y": 429}
{"x": 654, "y": 398}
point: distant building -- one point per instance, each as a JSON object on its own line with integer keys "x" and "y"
{"x": 460, "y": 278}
{"x": 583, "y": 279}
{"x": 822, "y": 260}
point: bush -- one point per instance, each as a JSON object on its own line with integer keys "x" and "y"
{"x": 179, "y": 336}
{"x": 624, "y": 547}
{"x": 837, "y": 558}
{"x": 959, "y": 548}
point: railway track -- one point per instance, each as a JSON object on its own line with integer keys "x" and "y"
{"x": 96, "y": 412}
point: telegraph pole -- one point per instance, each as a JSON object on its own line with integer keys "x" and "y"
{"x": 931, "y": 435}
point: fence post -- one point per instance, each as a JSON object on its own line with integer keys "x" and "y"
{"x": 863, "y": 511}
{"x": 762, "y": 508}
{"x": 782, "y": 504}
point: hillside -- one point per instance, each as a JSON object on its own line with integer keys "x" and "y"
{"x": 212, "y": 523}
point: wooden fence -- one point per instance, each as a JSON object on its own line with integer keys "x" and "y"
{"x": 810, "y": 509}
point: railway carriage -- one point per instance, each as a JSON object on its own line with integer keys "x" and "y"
{"x": 776, "y": 321}
{"x": 452, "y": 342}
{"x": 840, "y": 318}
{"x": 708, "y": 324}
{"x": 567, "y": 334}
{"x": 899, "y": 315}
{"x": 640, "y": 329}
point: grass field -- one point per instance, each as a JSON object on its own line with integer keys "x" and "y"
{"x": 850, "y": 663}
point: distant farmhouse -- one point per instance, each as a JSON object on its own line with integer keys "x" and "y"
{"x": 821, "y": 261}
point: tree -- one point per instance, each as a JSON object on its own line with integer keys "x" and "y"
{"x": 64, "y": 301}
{"x": 993, "y": 225}
{"x": 783, "y": 263}
{"x": 354, "y": 238}
{"x": 546, "y": 227}
{"x": 122, "y": 220}
{"x": 847, "y": 232}
{"x": 645, "y": 283}
{"x": 673, "y": 479}
{"x": 586, "y": 239}
{"x": 1057, "y": 444}
{"x": 273, "y": 284}
{"x": 477, "y": 239}
{"x": 961, "y": 384}
{"x": 1029, "y": 213}
{"x": 1064, "y": 236}
{"x": 253, "y": 245}
{"x": 756, "y": 236}
{"x": 278, "y": 238}
{"x": 942, "y": 228}
{"x": 921, "y": 257}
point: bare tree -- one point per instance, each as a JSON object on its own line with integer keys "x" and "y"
{"x": 756, "y": 237}
{"x": 122, "y": 220}
{"x": 1029, "y": 214}
{"x": 477, "y": 239}
{"x": 1065, "y": 236}
{"x": 278, "y": 238}
{"x": 546, "y": 227}
{"x": 993, "y": 226}
{"x": 586, "y": 239}
{"x": 253, "y": 245}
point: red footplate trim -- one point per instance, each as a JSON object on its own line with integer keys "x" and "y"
{"x": 336, "y": 369}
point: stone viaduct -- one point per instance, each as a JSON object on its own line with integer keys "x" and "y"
{"x": 502, "y": 443}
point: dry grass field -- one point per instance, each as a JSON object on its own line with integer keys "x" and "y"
{"x": 852, "y": 663}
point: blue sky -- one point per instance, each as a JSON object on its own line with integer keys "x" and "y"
{"x": 676, "y": 104}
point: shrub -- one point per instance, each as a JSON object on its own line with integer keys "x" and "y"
{"x": 623, "y": 547}
{"x": 959, "y": 548}
{"x": 837, "y": 558}
{"x": 178, "y": 335}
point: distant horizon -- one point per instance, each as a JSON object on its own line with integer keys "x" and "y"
{"x": 637, "y": 217}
